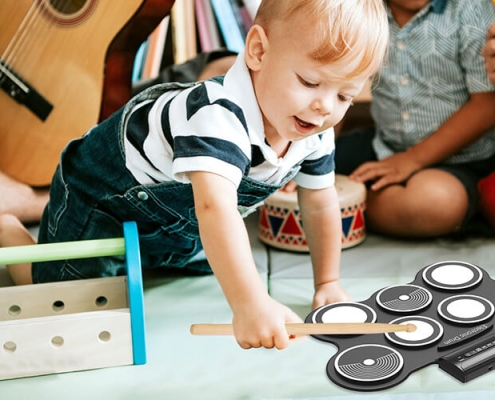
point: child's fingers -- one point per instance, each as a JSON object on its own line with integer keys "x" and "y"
{"x": 371, "y": 172}
{"x": 385, "y": 181}
{"x": 281, "y": 340}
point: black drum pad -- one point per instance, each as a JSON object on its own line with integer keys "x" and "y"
{"x": 452, "y": 305}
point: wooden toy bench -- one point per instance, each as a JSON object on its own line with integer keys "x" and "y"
{"x": 73, "y": 325}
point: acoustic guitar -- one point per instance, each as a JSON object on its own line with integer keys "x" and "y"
{"x": 64, "y": 66}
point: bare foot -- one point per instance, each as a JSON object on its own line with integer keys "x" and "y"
{"x": 21, "y": 200}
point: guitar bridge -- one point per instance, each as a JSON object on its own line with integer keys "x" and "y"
{"x": 19, "y": 90}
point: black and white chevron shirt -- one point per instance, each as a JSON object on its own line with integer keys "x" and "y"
{"x": 216, "y": 126}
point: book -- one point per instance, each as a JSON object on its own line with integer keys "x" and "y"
{"x": 209, "y": 36}
{"x": 236, "y": 7}
{"x": 230, "y": 30}
{"x": 155, "y": 48}
{"x": 247, "y": 19}
{"x": 137, "y": 69}
{"x": 252, "y": 7}
{"x": 183, "y": 28}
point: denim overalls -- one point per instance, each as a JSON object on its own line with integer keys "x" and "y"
{"x": 93, "y": 193}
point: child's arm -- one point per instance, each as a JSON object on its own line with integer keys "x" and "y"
{"x": 489, "y": 53}
{"x": 321, "y": 218}
{"x": 465, "y": 126}
{"x": 257, "y": 318}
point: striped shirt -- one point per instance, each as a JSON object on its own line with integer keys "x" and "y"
{"x": 216, "y": 126}
{"x": 434, "y": 65}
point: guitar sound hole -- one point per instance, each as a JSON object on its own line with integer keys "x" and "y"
{"x": 66, "y": 12}
{"x": 68, "y": 6}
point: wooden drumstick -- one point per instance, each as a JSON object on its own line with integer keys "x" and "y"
{"x": 312, "y": 329}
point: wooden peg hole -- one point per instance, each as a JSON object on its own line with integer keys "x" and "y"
{"x": 57, "y": 341}
{"x": 101, "y": 301}
{"x": 58, "y": 305}
{"x": 14, "y": 310}
{"x": 10, "y": 347}
{"x": 104, "y": 336}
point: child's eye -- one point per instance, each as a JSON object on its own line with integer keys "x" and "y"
{"x": 347, "y": 99}
{"x": 306, "y": 83}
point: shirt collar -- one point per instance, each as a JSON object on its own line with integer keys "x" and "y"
{"x": 238, "y": 82}
{"x": 438, "y": 6}
{"x": 433, "y": 7}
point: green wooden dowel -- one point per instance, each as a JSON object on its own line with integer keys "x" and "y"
{"x": 62, "y": 251}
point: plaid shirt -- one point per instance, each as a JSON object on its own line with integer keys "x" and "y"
{"x": 434, "y": 65}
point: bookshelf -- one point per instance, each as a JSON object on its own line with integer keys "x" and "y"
{"x": 194, "y": 26}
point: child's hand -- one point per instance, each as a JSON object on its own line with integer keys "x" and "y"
{"x": 289, "y": 187}
{"x": 331, "y": 292}
{"x": 263, "y": 324}
{"x": 391, "y": 170}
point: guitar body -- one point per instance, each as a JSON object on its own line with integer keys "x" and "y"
{"x": 58, "y": 49}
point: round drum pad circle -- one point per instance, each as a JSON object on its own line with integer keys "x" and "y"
{"x": 344, "y": 312}
{"x": 452, "y": 275}
{"x": 369, "y": 363}
{"x": 404, "y": 298}
{"x": 427, "y": 331}
{"x": 466, "y": 309}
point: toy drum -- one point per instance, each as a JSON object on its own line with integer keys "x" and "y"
{"x": 280, "y": 222}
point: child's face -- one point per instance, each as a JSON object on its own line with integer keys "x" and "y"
{"x": 299, "y": 96}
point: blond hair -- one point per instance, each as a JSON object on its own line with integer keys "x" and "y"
{"x": 347, "y": 29}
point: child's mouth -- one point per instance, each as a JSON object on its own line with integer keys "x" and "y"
{"x": 303, "y": 126}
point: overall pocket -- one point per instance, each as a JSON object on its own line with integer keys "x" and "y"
{"x": 167, "y": 225}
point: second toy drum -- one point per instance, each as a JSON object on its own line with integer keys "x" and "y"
{"x": 280, "y": 223}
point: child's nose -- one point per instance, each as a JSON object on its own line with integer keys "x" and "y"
{"x": 323, "y": 105}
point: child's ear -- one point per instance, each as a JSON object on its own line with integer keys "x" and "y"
{"x": 256, "y": 46}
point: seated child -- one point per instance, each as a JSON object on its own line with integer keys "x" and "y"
{"x": 433, "y": 109}
{"x": 187, "y": 161}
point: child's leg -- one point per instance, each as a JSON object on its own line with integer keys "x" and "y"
{"x": 433, "y": 202}
{"x": 22, "y": 200}
{"x": 13, "y": 233}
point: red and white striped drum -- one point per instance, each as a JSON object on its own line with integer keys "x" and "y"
{"x": 280, "y": 223}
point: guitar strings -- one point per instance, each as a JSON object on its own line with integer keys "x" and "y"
{"x": 10, "y": 53}
{"x": 40, "y": 31}
{"x": 29, "y": 36}
{"x": 45, "y": 25}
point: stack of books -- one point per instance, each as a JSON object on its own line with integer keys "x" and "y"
{"x": 195, "y": 26}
